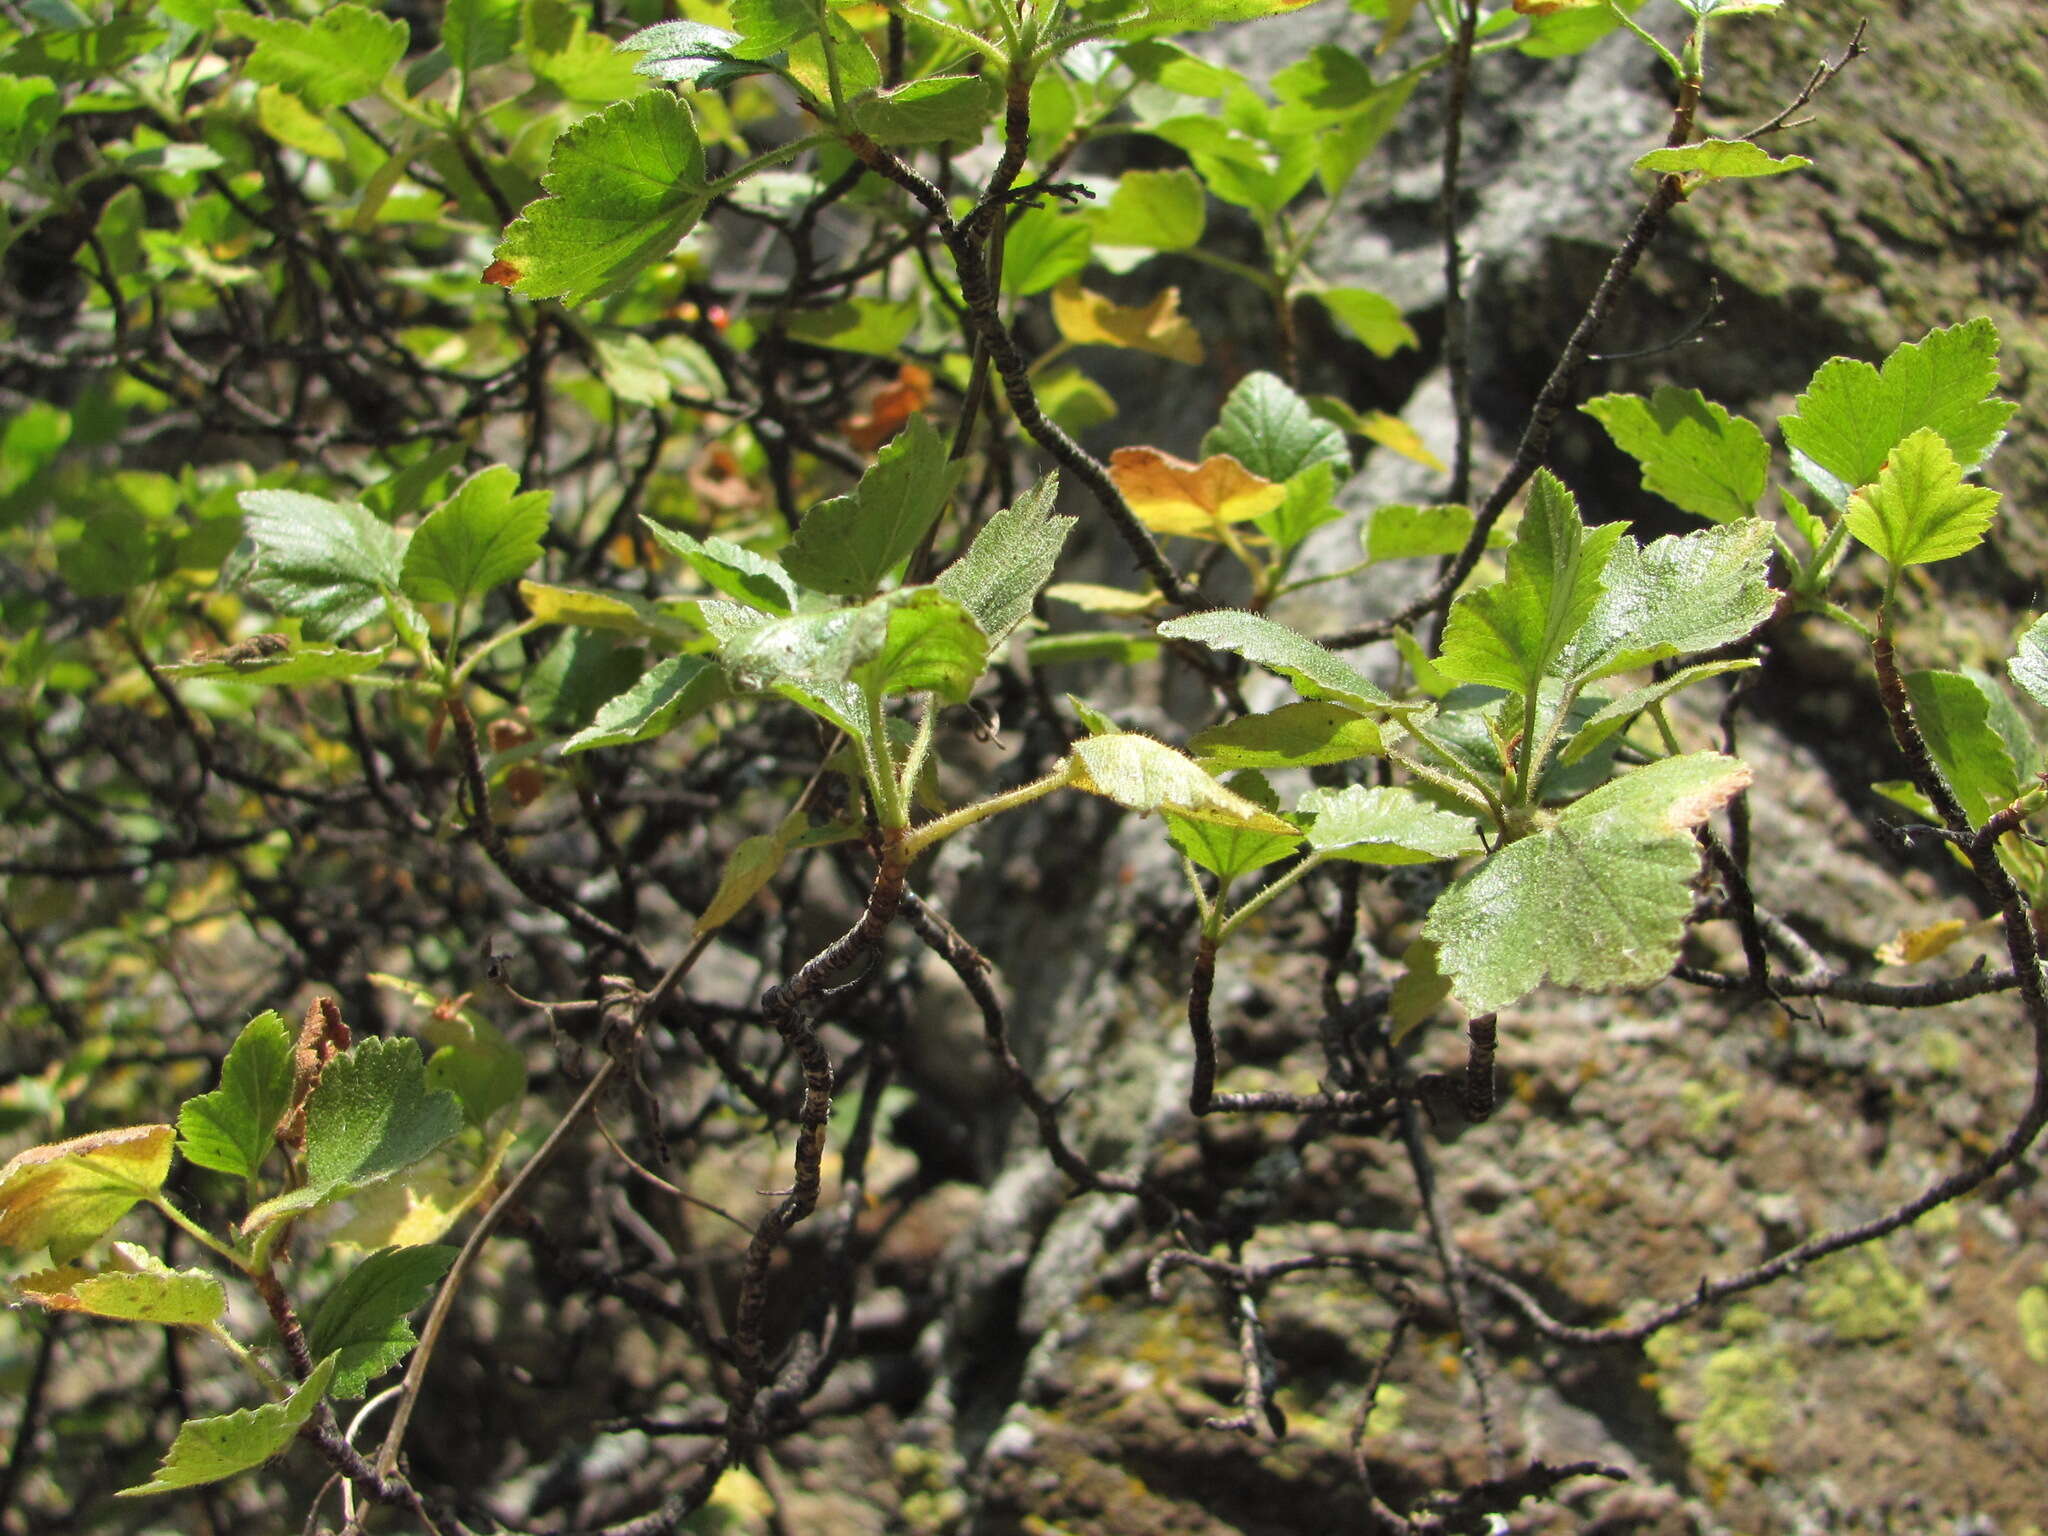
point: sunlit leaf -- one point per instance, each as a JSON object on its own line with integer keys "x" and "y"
{"x": 1084, "y": 316}
{"x": 340, "y": 56}
{"x": 145, "y": 1290}
{"x": 1507, "y": 635}
{"x": 623, "y": 187}
{"x": 207, "y": 1450}
{"x": 1011, "y": 558}
{"x": 1382, "y": 824}
{"x": 234, "y": 1128}
{"x": 481, "y": 537}
{"x": 672, "y": 690}
{"x": 1596, "y": 899}
{"x": 1144, "y": 775}
{"x": 1920, "y": 510}
{"x": 1315, "y": 672}
{"x": 1293, "y": 736}
{"x": 1719, "y": 159}
{"x": 1270, "y": 430}
{"x": 1170, "y": 495}
{"x": 328, "y": 563}
{"x": 1852, "y": 416}
{"x": 1693, "y": 453}
{"x": 64, "y": 1194}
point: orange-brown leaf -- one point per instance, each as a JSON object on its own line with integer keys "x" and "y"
{"x": 893, "y": 405}
{"x": 1171, "y": 495}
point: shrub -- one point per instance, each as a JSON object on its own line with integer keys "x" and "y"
{"x": 425, "y": 643}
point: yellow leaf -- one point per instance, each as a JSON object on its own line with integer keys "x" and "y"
{"x": 1171, "y": 495}
{"x": 1084, "y": 316}
{"x": 1914, "y": 945}
{"x": 67, "y": 1193}
{"x": 1392, "y": 432}
{"x": 1547, "y": 7}
{"x": 1100, "y": 599}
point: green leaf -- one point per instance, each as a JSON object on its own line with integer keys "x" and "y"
{"x": 1853, "y": 416}
{"x": 944, "y": 109}
{"x": 1954, "y": 713}
{"x": 566, "y": 57}
{"x": 1201, "y": 15}
{"x": 207, "y": 1450}
{"x": 287, "y": 119}
{"x": 1372, "y": 317}
{"x": 913, "y": 640}
{"x": 749, "y": 867}
{"x": 1270, "y": 430}
{"x": 805, "y": 658}
{"x": 689, "y": 51}
{"x": 1810, "y": 529}
{"x": 93, "y": 51}
{"x": 1144, "y": 775}
{"x": 1679, "y": 596}
{"x": 479, "y": 33}
{"x": 484, "y": 1073}
{"x": 1719, "y": 159}
{"x": 1238, "y": 169}
{"x": 1612, "y": 718}
{"x": 1694, "y": 454}
{"x": 107, "y": 554}
{"x": 1384, "y": 825}
{"x": 1316, "y": 673}
{"x": 1152, "y": 211}
{"x": 631, "y": 368}
{"x": 876, "y": 327}
{"x": 769, "y": 26}
{"x": 479, "y": 538}
{"x": 370, "y": 1116}
{"x": 234, "y": 1128}
{"x": 340, "y": 57}
{"x": 738, "y": 572}
{"x": 624, "y": 187}
{"x": 410, "y": 489}
{"x": 1010, "y": 560}
{"x": 845, "y": 546}
{"x": 1401, "y": 532}
{"x": 328, "y": 563}
{"x": 673, "y": 690}
{"x": 1042, "y": 248}
{"x": 616, "y": 611}
{"x": 1229, "y": 851}
{"x": 2029, "y": 665}
{"x": 1419, "y": 991}
{"x": 1508, "y": 635}
{"x": 148, "y": 1291}
{"x": 361, "y": 1322}
{"x": 1920, "y": 510}
{"x": 1597, "y": 899}
{"x": 931, "y": 645}
{"x": 1325, "y": 84}
{"x": 1293, "y": 736}
{"x": 28, "y": 111}
{"x": 64, "y": 1194}
{"x": 1310, "y": 502}
{"x": 1175, "y": 69}
{"x": 1079, "y": 646}
{"x": 858, "y": 71}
